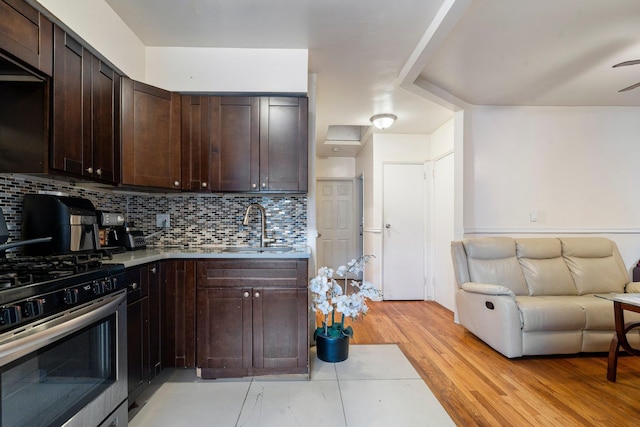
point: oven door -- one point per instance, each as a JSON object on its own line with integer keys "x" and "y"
{"x": 69, "y": 370}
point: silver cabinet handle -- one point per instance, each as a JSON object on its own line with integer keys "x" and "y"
{"x": 99, "y": 172}
{"x": 153, "y": 270}
{"x": 89, "y": 169}
{"x": 257, "y": 295}
{"x": 254, "y": 185}
{"x": 176, "y": 183}
{"x": 246, "y": 295}
{"x": 204, "y": 185}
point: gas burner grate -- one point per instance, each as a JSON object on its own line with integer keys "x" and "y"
{"x": 20, "y": 271}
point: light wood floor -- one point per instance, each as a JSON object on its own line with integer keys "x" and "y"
{"x": 479, "y": 387}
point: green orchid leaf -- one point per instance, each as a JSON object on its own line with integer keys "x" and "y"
{"x": 348, "y": 331}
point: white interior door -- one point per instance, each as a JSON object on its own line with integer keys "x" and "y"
{"x": 336, "y": 223}
{"x": 404, "y": 236}
{"x": 444, "y": 289}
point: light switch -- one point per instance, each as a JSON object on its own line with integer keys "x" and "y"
{"x": 533, "y": 215}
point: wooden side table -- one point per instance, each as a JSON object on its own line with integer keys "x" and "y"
{"x": 621, "y": 302}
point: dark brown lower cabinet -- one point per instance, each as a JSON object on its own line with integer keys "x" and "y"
{"x": 137, "y": 333}
{"x": 178, "y": 322}
{"x": 143, "y": 327}
{"x": 251, "y": 317}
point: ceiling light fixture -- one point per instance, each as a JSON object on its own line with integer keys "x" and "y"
{"x": 383, "y": 121}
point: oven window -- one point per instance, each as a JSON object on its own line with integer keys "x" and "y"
{"x": 50, "y": 385}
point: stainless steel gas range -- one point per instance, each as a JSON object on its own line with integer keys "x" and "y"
{"x": 62, "y": 341}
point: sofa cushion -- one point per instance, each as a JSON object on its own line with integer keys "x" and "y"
{"x": 595, "y": 264}
{"x": 493, "y": 260}
{"x": 543, "y": 267}
{"x": 550, "y": 314}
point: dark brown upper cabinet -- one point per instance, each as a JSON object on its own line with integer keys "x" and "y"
{"x": 283, "y": 144}
{"x": 26, "y": 34}
{"x": 196, "y": 141}
{"x": 85, "y": 112}
{"x": 235, "y": 143}
{"x": 150, "y": 136}
{"x": 244, "y": 143}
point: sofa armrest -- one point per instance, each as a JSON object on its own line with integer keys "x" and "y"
{"x": 632, "y": 287}
{"x": 488, "y": 289}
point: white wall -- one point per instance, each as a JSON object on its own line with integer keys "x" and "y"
{"x": 442, "y": 140}
{"x": 191, "y": 69}
{"x": 336, "y": 167}
{"x": 181, "y": 68}
{"x": 97, "y": 24}
{"x": 576, "y": 167}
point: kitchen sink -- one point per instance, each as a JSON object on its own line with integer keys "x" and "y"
{"x": 257, "y": 249}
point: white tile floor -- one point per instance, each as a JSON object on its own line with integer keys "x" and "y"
{"x": 375, "y": 386}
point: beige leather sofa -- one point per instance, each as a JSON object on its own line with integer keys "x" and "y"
{"x": 535, "y": 296}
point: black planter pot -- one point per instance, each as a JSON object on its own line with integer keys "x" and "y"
{"x": 332, "y": 349}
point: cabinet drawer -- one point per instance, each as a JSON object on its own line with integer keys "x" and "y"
{"x": 251, "y": 273}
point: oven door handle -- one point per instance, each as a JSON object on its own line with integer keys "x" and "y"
{"x": 34, "y": 338}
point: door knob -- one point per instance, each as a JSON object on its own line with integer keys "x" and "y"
{"x": 387, "y": 226}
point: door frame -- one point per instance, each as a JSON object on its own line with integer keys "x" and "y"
{"x": 431, "y": 182}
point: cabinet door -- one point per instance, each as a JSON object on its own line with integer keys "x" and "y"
{"x": 235, "y": 143}
{"x": 71, "y": 103}
{"x": 150, "y": 136}
{"x": 26, "y": 34}
{"x": 134, "y": 344}
{"x": 283, "y": 144}
{"x": 252, "y": 317}
{"x": 104, "y": 160}
{"x": 280, "y": 329}
{"x": 196, "y": 142}
{"x": 150, "y": 274}
{"x": 178, "y": 322}
{"x": 224, "y": 320}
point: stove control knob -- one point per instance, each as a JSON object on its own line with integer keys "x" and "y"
{"x": 10, "y": 315}
{"x": 109, "y": 285}
{"x": 70, "y": 296}
{"x": 98, "y": 287}
{"x": 33, "y": 308}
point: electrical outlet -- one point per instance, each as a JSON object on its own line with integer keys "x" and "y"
{"x": 163, "y": 220}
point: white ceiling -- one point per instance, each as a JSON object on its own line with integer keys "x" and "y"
{"x": 377, "y": 56}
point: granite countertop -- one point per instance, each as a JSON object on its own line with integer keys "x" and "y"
{"x": 152, "y": 254}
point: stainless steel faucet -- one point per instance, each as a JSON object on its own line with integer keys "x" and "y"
{"x": 264, "y": 240}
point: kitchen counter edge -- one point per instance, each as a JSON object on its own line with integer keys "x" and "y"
{"x": 145, "y": 256}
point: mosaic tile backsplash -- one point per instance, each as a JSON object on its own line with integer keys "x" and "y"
{"x": 195, "y": 219}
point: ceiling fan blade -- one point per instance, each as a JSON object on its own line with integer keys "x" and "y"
{"x": 629, "y": 88}
{"x": 632, "y": 62}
